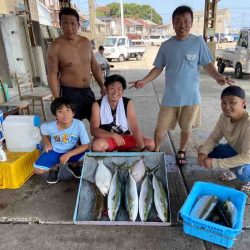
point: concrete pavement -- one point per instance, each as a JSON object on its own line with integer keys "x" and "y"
{"x": 39, "y": 215}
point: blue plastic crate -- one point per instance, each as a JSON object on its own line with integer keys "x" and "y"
{"x": 206, "y": 230}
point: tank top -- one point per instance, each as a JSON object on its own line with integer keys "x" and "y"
{"x": 112, "y": 127}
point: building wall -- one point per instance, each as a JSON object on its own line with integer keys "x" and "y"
{"x": 11, "y": 7}
{"x": 223, "y": 23}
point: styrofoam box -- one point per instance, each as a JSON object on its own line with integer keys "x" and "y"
{"x": 85, "y": 199}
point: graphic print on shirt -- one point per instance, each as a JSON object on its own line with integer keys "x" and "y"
{"x": 65, "y": 138}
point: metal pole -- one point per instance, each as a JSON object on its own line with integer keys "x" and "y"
{"x": 122, "y": 18}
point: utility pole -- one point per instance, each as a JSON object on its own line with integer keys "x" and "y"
{"x": 122, "y": 18}
{"x": 210, "y": 19}
{"x": 210, "y": 24}
{"x": 92, "y": 19}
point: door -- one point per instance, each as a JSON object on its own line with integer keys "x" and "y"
{"x": 122, "y": 47}
{"x": 242, "y": 50}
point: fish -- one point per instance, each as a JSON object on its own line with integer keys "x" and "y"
{"x": 204, "y": 206}
{"x": 228, "y": 213}
{"x": 131, "y": 197}
{"x": 145, "y": 199}
{"x": 99, "y": 203}
{"x": 103, "y": 177}
{"x": 138, "y": 170}
{"x": 160, "y": 199}
{"x": 114, "y": 196}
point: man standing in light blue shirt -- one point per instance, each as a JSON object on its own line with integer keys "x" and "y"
{"x": 181, "y": 56}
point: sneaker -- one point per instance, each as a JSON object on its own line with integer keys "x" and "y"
{"x": 77, "y": 171}
{"x": 53, "y": 176}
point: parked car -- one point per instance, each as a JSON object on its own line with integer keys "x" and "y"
{"x": 121, "y": 48}
{"x": 224, "y": 38}
{"x": 238, "y": 58}
{"x": 155, "y": 40}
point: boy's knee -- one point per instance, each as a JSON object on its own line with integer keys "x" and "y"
{"x": 99, "y": 146}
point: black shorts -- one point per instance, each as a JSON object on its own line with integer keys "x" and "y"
{"x": 82, "y": 98}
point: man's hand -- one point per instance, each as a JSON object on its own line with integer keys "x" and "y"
{"x": 64, "y": 158}
{"x": 207, "y": 163}
{"x": 222, "y": 80}
{"x": 103, "y": 91}
{"x": 118, "y": 139}
{"x": 201, "y": 157}
{"x": 137, "y": 84}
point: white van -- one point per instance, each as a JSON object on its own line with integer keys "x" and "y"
{"x": 157, "y": 40}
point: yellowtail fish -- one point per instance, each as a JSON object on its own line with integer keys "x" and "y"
{"x": 160, "y": 200}
{"x": 114, "y": 196}
{"x": 131, "y": 198}
{"x": 145, "y": 199}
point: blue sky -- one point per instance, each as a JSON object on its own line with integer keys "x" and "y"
{"x": 240, "y": 9}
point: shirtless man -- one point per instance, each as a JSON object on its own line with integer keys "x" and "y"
{"x": 70, "y": 59}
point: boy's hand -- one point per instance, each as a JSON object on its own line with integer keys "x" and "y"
{"x": 118, "y": 139}
{"x": 208, "y": 163}
{"x": 64, "y": 158}
{"x": 47, "y": 147}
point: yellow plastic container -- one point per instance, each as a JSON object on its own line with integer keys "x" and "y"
{"x": 17, "y": 169}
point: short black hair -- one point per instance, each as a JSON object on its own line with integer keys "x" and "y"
{"x": 182, "y": 10}
{"x": 69, "y": 12}
{"x": 59, "y": 102}
{"x": 101, "y": 47}
{"x": 115, "y": 78}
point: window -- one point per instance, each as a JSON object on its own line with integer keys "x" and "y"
{"x": 121, "y": 41}
{"x": 243, "y": 40}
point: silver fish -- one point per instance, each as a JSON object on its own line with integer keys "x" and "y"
{"x": 131, "y": 198}
{"x": 138, "y": 170}
{"x": 103, "y": 178}
{"x": 204, "y": 206}
{"x": 160, "y": 200}
{"x": 145, "y": 199}
{"x": 114, "y": 196}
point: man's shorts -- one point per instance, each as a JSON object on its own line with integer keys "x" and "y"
{"x": 48, "y": 160}
{"x": 130, "y": 143}
{"x": 188, "y": 117}
{"x": 82, "y": 98}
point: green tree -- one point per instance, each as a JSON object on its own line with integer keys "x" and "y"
{"x": 132, "y": 10}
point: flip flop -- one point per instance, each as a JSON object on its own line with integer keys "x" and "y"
{"x": 227, "y": 176}
{"x": 181, "y": 161}
{"x": 246, "y": 188}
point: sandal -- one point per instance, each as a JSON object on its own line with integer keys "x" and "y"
{"x": 181, "y": 161}
{"x": 227, "y": 176}
{"x": 246, "y": 188}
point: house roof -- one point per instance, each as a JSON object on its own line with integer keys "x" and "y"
{"x": 97, "y": 21}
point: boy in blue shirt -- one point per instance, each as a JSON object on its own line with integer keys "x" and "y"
{"x": 61, "y": 142}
